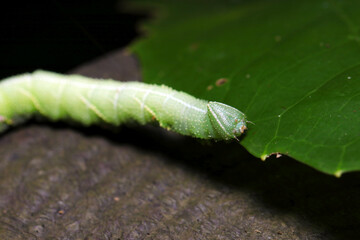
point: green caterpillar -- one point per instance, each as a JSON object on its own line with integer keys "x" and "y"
{"x": 89, "y": 101}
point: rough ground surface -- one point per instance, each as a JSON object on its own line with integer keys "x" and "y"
{"x": 63, "y": 182}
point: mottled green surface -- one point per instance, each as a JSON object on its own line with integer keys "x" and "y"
{"x": 61, "y": 182}
{"x": 292, "y": 67}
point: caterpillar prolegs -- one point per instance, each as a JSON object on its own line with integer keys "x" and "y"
{"x": 90, "y": 101}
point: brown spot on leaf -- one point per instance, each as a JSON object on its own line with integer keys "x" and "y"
{"x": 193, "y": 47}
{"x": 221, "y": 81}
{"x": 278, "y": 38}
{"x": 209, "y": 87}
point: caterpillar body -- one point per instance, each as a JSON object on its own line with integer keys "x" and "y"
{"x": 90, "y": 101}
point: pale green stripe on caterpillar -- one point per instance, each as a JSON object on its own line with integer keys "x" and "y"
{"x": 89, "y": 101}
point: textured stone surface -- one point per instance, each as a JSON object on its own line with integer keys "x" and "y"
{"x": 63, "y": 182}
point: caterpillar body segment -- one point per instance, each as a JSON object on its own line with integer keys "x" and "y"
{"x": 91, "y": 101}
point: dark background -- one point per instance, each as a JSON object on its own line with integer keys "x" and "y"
{"x": 59, "y": 35}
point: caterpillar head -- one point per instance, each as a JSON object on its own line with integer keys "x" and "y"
{"x": 228, "y": 122}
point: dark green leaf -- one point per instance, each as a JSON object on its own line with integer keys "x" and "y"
{"x": 293, "y": 67}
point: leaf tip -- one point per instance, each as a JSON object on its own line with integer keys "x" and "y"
{"x": 264, "y": 157}
{"x": 338, "y": 173}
